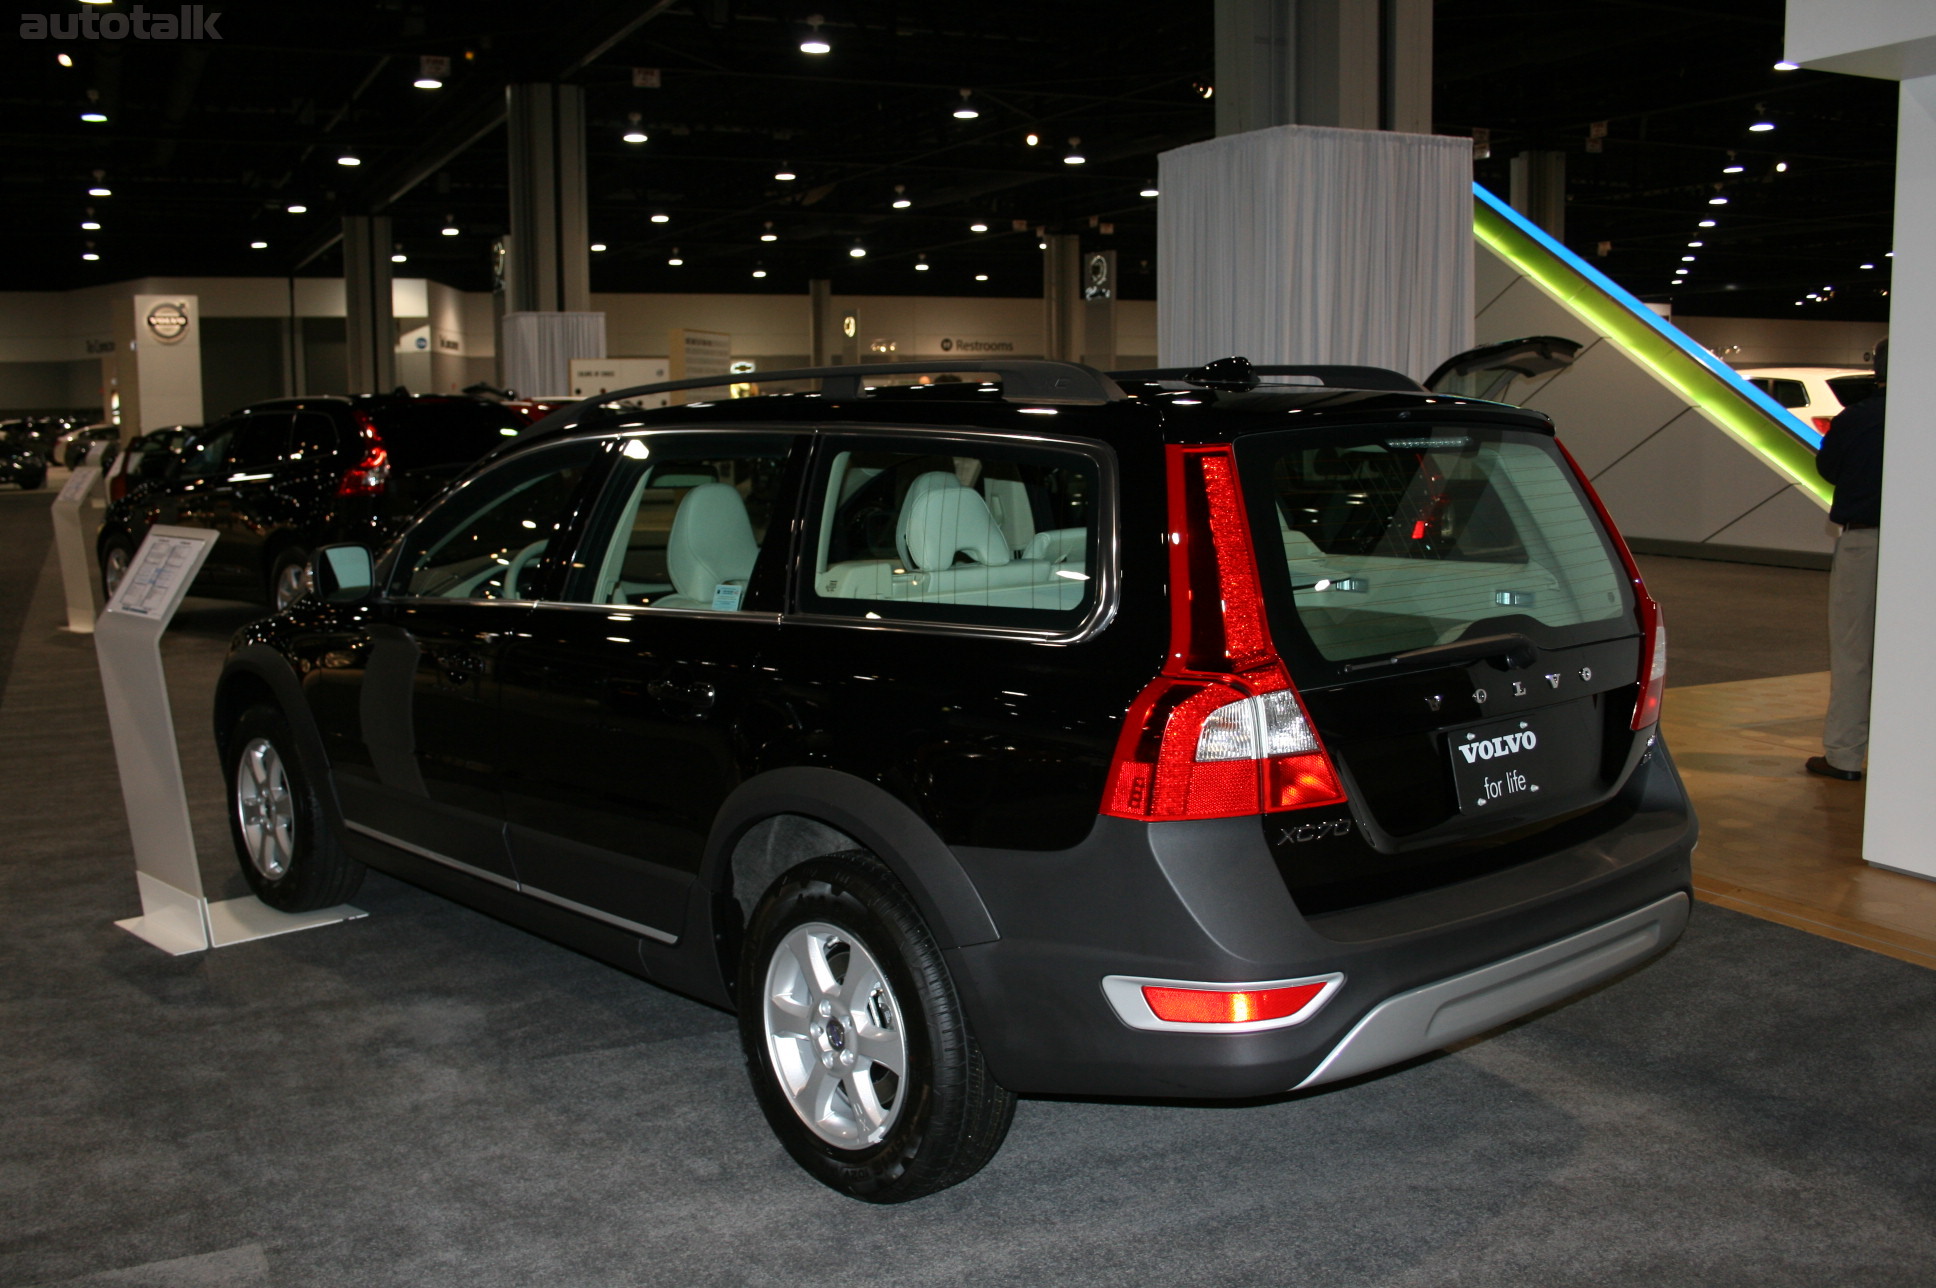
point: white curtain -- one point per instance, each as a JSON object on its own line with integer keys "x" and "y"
{"x": 1302, "y": 243}
{"x": 539, "y": 348}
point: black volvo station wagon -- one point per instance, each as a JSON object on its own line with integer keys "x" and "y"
{"x": 1170, "y": 734}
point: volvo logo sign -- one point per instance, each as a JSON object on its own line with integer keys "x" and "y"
{"x": 168, "y": 322}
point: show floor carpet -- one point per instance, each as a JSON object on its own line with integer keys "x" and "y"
{"x": 427, "y": 1097}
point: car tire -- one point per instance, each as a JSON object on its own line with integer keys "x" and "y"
{"x": 33, "y": 480}
{"x": 289, "y": 853}
{"x": 117, "y": 556}
{"x": 288, "y": 578}
{"x": 839, "y": 983}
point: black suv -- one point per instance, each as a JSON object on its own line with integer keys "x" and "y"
{"x": 20, "y": 458}
{"x": 277, "y": 479}
{"x": 1165, "y": 735}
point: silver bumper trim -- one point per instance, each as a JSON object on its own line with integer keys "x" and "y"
{"x": 1436, "y": 1015}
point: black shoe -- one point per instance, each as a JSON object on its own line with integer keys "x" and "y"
{"x": 1820, "y": 765}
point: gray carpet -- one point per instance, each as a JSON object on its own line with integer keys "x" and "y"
{"x": 427, "y": 1097}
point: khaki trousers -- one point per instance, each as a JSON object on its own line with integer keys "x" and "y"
{"x": 1851, "y": 647}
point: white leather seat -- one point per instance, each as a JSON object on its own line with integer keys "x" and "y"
{"x": 945, "y": 522}
{"x": 711, "y": 544}
{"x": 932, "y": 481}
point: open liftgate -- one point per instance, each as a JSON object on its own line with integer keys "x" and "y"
{"x": 1689, "y": 457}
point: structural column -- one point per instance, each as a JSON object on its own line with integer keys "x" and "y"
{"x": 368, "y": 324}
{"x": 1062, "y": 298}
{"x": 549, "y": 263}
{"x": 1356, "y": 64}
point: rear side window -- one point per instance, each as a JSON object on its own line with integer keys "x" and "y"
{"x": 1850, "y": 390}
{"x": 972, "y": 532}
{"x": 1380, "y": 542}
{"x": 1789, "y": 393}
{"x": 429, "y": 432}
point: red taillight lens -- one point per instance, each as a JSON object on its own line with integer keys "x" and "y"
{"x": 1221, "y": 732}
{"x": 1822, "y": 423}
{"x": 1653, "y": 630}
{"x": 370, "y": 475}
{"x": 1204, "y": 1006}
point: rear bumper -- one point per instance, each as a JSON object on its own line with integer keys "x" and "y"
{"x": 1204, "y": 901}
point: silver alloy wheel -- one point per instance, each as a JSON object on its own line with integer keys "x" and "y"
{"x": 114, "y": 568}
{"x": 292, "y": 579}
{"x": 834, "y": 1035}
{"x": 264, "y": 808}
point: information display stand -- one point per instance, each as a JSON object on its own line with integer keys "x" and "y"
{"x": 71, "y": 543}
{"x": 176, "y": 916}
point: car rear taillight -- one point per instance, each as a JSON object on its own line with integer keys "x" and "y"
{"x": 370, "y": 475}
{"x": 1822, "y": 423}
{"x": 1221, "y": 731}
{"x": 1237, "y": 1006}
{"x": 1653, "y": 627}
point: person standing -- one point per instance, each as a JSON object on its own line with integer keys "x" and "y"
{"x": 1851, "y": 460}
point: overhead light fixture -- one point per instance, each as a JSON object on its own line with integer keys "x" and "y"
{"x": 598, "y": 246}
{"x": 258, "y": 245}
{"x": 1707, "y": 223}
{"x": 95, "y": 118}
{"x": 1041, "y": 245}
{"x": 348, "y": 157}
{"x": 785, "y": 173}
{"x": 1075, "y": 156}
{"x": 920, "y": 263}
{"x": 1031, "y": 138}
{"x": 99, "y": 191}
{"x": 978, "y": 228}
{"x": 981, "y": 277}
{"x": 93, "y": 226}
{"x": 89, "y": 255}
{"x": 1697, "y": 244}
{"x": 1733, "y": 169}
{"x": 1761, "y": 127}
{"x": 299, "y": 209}
{"x": 1149, "y": 191}
{"x": 966, "y": 110}
{"x": 769, "y": 235}
{"x": 1785, "y": 66}
{"x": 673, "y": 260}
{"x": 1781, "y": 167}
{"x": 760, "y": 272}
{"x": 815, "y": 42}
{"x": 1865, "y": 265}
{"x": 1687, "y": 259}
{"x": 635, "y": 134}
{"x": 901, "y": 201}
{"x": 661, "y": 218}
{"x": 399, "y": 257}
{"x": 450, "y": 228}
{"x": 65, "y": 60}
{"x": 857, "y": 251}
{"x": 1717, "y": 201}
{"x": 431, "y": 70}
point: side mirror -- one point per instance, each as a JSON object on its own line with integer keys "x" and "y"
{"x": 342, "y": 574}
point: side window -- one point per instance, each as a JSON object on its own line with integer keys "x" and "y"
{"x": 261, "y": 442}
{"x": 315, "y": 433}
{"x": 965, "y": 531}
{"x": 1789, "y": 393}
{"x": 688, "y": 515}
{"x": 498, "y": 536}
{"x": 208, "y": 453}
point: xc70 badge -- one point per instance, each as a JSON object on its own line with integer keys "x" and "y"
{"x": 1312, "y": 831}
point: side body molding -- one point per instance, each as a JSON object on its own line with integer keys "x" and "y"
{"x": 876, "y": 820}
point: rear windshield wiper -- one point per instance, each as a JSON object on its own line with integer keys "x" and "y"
{"x": 1514, "y": 649}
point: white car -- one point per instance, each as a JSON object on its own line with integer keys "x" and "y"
{"x": 1815, "y": 394}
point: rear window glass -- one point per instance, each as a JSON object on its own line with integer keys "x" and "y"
{"x": 1789, "y": 393}
{"x": 1850, "y": 390}
{"x": 1395, "y": 540}
{"x": 431, "y": 432}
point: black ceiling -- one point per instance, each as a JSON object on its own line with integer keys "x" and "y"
{"x": 207, "y": 143}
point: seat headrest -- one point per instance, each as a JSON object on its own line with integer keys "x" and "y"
{"x": 922, "y": 485}
{"x": 944, "y": 522}
{"x": 711, "y": 541}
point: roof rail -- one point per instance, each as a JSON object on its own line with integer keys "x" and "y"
{"x": 1224, "y": 373}
{"x": 1033, "y": 380}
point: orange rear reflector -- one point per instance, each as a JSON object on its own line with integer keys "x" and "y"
{"x": 1203, "y": 1006}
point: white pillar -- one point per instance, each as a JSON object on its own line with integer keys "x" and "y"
{"x": 1895, "y": 40}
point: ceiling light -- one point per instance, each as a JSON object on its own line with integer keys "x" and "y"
{"x": 981, "y": 277}
{"x": 760, "y": 272}
{"x": 674, "y": 261}
{"x": 1888, "y": 254}
{"x": 299, "y": 209}
{"x": 399, "y": 257}
{"x": 450, "y": 228}
{"x": 1761, "y": 127}
{"x": 348, "y": 157}
{"x": 89, "y": 256}
{"x": 431, "y": 70}
{"x": 1707, "y": 223}
{"x": 966, "y": 110}
{"x": 662, "y": 218}
{"x": 98, "y": 191}
{"x": 634, "y": 134}
{"x": 1785, "y": 66}
{"x": 65, "y": 60}
{"x": 97, "y": 226}
{"x": 785, "y": 174}
{"x": 1781, "y": 167}
{"x": 857, "y": 251}
{"x": 597, "y": 246}
{"x": 1041, "y": 245}
{"x": 900, "y": 197}
{"x": 1687, "y": 259}
{"x": 1717, "y": 201}
{"x": 1697, "y": 243}
{"x": 95, "y": 118}
{"x": 977, "y": 228}
{"x": 1031, "y": 138}
{"x": 258, "y": 245}
{"x": 815, "y": 42}
{"x": 1149, "y": 191}
{"x": 89, "y": 225}
{"x": 1733, "y": 169}
{"x": 1075, "y": 156}
{"x": 921, "y": 263}
{"x": 769, "y": 234}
